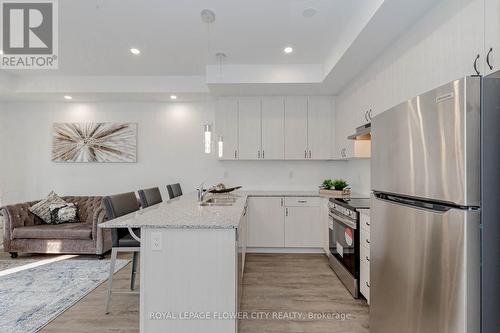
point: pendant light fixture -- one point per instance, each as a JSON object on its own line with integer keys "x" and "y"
{"x": 221, "y": 57}
{"x": 221, "y": 146}
{"x": 207, "y": 17}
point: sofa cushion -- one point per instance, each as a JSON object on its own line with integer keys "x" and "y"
{"x": 64, "y": 213}
{"x": 42, "y": 208}
{"x": 54, "y": 231}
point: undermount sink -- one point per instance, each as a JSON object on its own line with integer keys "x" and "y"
{"x": 223, "y": 201}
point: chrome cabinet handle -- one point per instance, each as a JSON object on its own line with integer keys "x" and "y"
{"x": 366, "y": 115}
{"x": 286, "y": 211}
{"x": 370, "y": 115}
{"x": 305, "y": 153}
{"x": 368, "y": 224}
{"x": 235, "y": 154}
{"x": 488, "y": 58}
{"x": 302, "y": 201}
{"x": 309, "y": 154}
{"x": 367, "y": 259}
{"x": 281, "y": 202}
{"x": 263, "y": 151}
{"x": 367, "y": 241}
{"x": 367, "y": 284}
{"x": 258, "y": 153}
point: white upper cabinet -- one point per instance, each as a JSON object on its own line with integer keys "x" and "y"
{"x": 249, "y": 128}
{"x": 226, "y": 125}
{"x": 492, "y": 35}
{"x": 296, "y": 128}
{"x": 273, "y": 128}
{"x": 319, "y": 122}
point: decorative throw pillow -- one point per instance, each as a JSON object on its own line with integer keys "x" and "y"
{"x": 42, "y": 208}
{"x": 64, "y": 213}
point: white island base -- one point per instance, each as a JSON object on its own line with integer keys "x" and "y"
{"x": 189, "y": 273}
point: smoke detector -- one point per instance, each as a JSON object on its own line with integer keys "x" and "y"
{"x": 207, "y": 16}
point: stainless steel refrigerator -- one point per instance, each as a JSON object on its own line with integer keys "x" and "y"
{"x": 435, "y": 158}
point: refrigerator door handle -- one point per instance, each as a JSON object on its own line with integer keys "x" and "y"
{"x": 436, "y": 207}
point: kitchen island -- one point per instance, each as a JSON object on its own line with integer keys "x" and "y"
{"x": 192, "y": 261}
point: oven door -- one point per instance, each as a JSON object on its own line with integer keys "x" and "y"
{"x": 343, "y": 238}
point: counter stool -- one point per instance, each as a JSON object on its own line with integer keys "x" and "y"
{"x": 174, "y": 190}
{"x": 123, "y": 240}
{"x": 150, "y": 197}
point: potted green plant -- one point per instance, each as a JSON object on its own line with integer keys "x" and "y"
{"x": 336, "y": 187}
{"x": 327, "y": 184}
{"x": 339, "y": 184}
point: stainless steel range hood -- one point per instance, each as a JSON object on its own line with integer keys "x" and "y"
{"x": 362, "y": 133}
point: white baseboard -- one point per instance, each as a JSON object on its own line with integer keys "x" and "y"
{"x": 283, "y": 250}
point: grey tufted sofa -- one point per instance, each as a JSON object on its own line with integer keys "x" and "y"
{"x": 25, "y": 232}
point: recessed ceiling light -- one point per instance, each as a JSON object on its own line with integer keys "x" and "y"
{"x": 68, "y": 97}
{"x": 135, "y": 51}
{"x": 173, "y": 97}
{"x": 288, "y": 50}
{"x": 309, "y": 12}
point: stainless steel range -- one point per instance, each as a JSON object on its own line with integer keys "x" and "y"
{"x": 344, "y": 240}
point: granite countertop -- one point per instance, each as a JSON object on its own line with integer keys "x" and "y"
{"x": 185, "y": 212}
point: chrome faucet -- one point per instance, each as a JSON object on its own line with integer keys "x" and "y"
{"x": 201, "y": 193}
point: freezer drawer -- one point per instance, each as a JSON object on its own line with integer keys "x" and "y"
{"x": 429, "y": 146}
{"x": 424, "y": 269}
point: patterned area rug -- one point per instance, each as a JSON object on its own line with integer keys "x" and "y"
{"x": 31, "y": 298}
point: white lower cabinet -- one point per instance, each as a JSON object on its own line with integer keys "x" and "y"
{"x": 325, "y": 217}
{"x": 267, "y": 222}
{"x": 303, "y": 227}
{"x": 285, "y": 222}
{"x": 364, "y": 255}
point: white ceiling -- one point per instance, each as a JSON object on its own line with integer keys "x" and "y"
{"x": 95, "y": 35}
{"x": 177, "y": 57}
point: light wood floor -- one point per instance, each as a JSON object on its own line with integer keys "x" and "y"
{"x": 298, "y": 283}
{"x": 273, "y": 282}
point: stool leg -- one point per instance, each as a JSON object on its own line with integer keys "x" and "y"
{"x": 134, "y": 270}
{"x": 110, "y": 280}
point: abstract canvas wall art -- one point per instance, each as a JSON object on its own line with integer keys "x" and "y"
{"x": 94, "y": 142}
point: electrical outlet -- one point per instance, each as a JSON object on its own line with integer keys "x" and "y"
{"x": 156, "y": 241}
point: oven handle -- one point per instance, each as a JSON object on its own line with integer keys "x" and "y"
{"x": 335, "y": 217}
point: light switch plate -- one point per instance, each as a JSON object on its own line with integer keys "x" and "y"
{"x": 156, "y": 241}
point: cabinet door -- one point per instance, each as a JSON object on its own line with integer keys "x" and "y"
{"x": 319, "y": 131}
{"x": 273, "y": 128}
{"x": 325, "y": 217}
{"x": 342, "y": 125}
{"x": 249, "y": 128}
{"x": 492, "y": 35}
{"x": 295, "y": 128}
{"x": 226, "y": 125}
{"x": 303, "y": 227}
{"x": 266, "y": 222}
{"x": 243, "y": 237}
